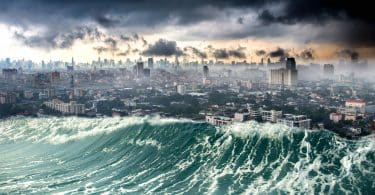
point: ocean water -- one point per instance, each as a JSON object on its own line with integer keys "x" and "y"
{"x": 150, "y": 155}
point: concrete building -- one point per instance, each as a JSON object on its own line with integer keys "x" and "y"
{"x": 139, "y": 69}
{"x": 328, "y": 70}
{"x": 241, "y": 116}
{"x": 291, "y": 64}
{"x": 147, "y": 72}
{"x": 271, "y": 115}
{"x": 291, "y": 120}
{"x": 181, "y": 89}
{"x": 205, "y": 71}
{"x": 8, "y": 98}
{"x": 218, "y": 120}
{"x": 28, "y": 94}
{"x": 284, "y": 76}
{"x": 353, "y": 109}
{"x": 9, "y": 73}
{"x": 150, "y": 63}
{"x": 50, "y": 92}
{"x": 66, "y": 108}
{"x": 79, "y": 92}
{"x": 335, "y": 117}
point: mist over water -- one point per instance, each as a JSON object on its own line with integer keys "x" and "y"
{"x": 151, "y": 155}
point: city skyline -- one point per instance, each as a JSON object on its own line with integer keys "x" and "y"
{"x": 316, "y": 31}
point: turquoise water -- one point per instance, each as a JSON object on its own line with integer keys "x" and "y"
{"x": 151, "y": 155}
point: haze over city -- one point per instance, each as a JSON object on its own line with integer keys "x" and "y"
{"x": 187, "y": 97}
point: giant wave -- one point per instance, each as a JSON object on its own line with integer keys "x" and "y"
{"x": 151, "y": 155}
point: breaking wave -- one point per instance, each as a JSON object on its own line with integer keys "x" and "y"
{"x": 152, "y": 155}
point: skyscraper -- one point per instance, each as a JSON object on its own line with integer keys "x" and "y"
{"x": 328, "y": 70}
{"x": 150, "y": 63}
{"x": 291, "y": 64}
{"x": 139, "y": 69}
{"x": 205, "y": 71}
{"x": 285, "y": 76}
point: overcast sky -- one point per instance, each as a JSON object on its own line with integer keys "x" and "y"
{"x": 316, "y": 30}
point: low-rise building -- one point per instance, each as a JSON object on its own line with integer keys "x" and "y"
{"x": 271, "y": 115}
{"x": 66, "y": 108}
{"x": 28, "y": 94}
{"x": 8, "y": 98}
{"x": 291, "y": 120}
{"x": 241, "y": 116}
{"x": 335, "y": 117}
{"x": 218, "y": 120}
{"x": 353, "y": 109}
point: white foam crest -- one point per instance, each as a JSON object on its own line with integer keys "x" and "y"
{"x": 247, "y": 129}
{"x": 64, "y": 129}
{"x": 146, "y": 142}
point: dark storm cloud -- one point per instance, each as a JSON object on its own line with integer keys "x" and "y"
{"x": 240, "y": 20}
{"x": 106, "y": 22}
{"x": 53, "y": 40}
{"x": 221, "y": 54}
{"x": 62, "y": 16}
{"x": 307, "y": 54}
{"x": 260, "y": 52}
{"x": 348, "y": 53}
{"x": 224, "y": 53}
{"x": 115, "y": 12}
{"x": 358, "y": 29}
{"x": 111, "y": 44}
{"x": 163, "y": 47}
{"x": 238, "y": 53}
{"x": 134, "y": 38}
{"x": 279, "y": 52}
{"x": 198, "y": 53}
{"x": 319, "y": 11}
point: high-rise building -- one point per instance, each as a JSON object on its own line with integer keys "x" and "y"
{"x": 328, "y": 70}
{"x": 9, "y": 73}
{"x": 284, "y": 76}
{"x": 139, "y": 69}
{"x": 71, "y": 81}
{"x": 150, "y": 63}
{"x": 205, "y": 71}
{"x": 146, "y": 73}
{"x": 291, "y": 64}
{"x": 55, "y": 77}
{"x": 69, "y": 69}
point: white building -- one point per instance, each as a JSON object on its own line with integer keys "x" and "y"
{"x": 335, "y": 117}
{"x": 282, "y": 76}
{"x": 291, "y": 120}
{"x": 181, "y": 89}
{"x": 271, "y": 115}
{"x": 66, "y": 108}
{"x": 354, "y": 108}
{"x": 218, "y": 120}
{"x": 50, "y": 92}
{"x": 241, "y": 117}
{"x": 79, "y": 92}
{"x": 28, "y": 94}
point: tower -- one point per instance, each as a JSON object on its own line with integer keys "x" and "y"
{"x": 205, "y": 71}
{"x": 291, "y": 64}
